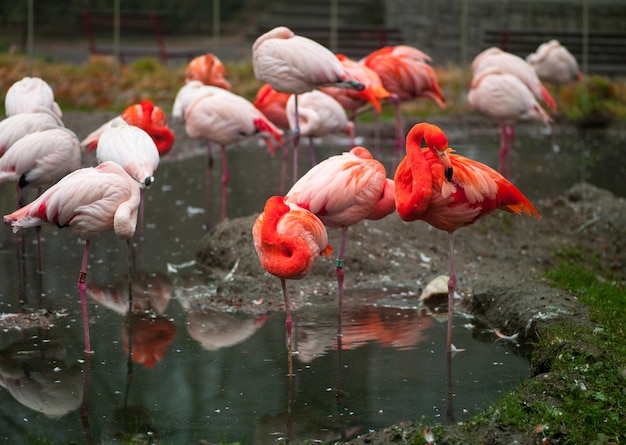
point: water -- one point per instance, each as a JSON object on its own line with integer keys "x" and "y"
{"x": 222, "y": 376}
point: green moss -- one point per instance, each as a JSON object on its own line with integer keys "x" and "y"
{"x": 578, "y": 394}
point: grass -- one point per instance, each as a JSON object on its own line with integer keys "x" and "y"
{"x": 578, "y": 395}
{"x": 100, "y": 84}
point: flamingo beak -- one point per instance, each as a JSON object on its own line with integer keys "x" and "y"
{"x": 444, "y": 158}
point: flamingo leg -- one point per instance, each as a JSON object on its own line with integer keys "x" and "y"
{"x": 224, "y": 181}
{"x": 340, "y": 275}
{"x": 377, "y": 133}
{"x": 510, "y": 139}
{"x": 289, "y": 326}
{"x": 283, "y": 168}
{"x": 296, "y": 140}
{"x": 399, "y": 142}
{"x": 141, "y": 211}
{"x": 502, "y": 154}
{"x": 82, "y": 288}
{"x": 451, "y": 288}
{"x": 209, "y": 184}
{"x": 312, "y": 148}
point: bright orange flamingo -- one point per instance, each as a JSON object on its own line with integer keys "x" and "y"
{"x": 208, "y": 69}
{"x": 288, "y": 241}
{"x": 144, "y": 115}
{"x": 343, "y": 190}
{"x": 88, "y": 201}
{"x": 406, "y": 72}
{"x": 449, "y": 191}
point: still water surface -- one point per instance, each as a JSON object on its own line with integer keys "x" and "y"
{"x": 222, "y": 376}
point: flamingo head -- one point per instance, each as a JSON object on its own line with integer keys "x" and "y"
{"x": 437, "y": 141}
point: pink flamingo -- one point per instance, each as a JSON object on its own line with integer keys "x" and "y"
{"x": 295, "y": 64}
{"x": 507, "y": 100}
{"x": 88, "y": 201}
{"x": 288, "y": 240}
{"x": 449, "y": 191}
{"x": 319, "y": 115}
{"x": 515, "y": 65}
{"x": 208, "y": 69}
{"x": 225, "y": 119}
{"x": 40, "y": 158}
{"x": 188, "y": 94}
{"x": 19, "y": 125}
{"x": 343, "y": 190}
{"x": 554, "y": 64}
{"x": 406, "y": 72}
{"x": 144, "y": 115}
{"x": 28, "y": 94}
{"x": 132, "y": 148}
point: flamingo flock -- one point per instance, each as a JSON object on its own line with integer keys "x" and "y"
{"x": 308, "y": 96}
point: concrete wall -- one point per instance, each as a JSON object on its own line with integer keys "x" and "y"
{"x": 437, "y": 26}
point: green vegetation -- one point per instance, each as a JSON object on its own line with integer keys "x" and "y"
{"x": 99, "y": 84}
{"x": 578, "y": 394}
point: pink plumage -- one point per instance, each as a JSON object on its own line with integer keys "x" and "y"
{"x": 41, "y": 158}
{"x": 88, "y": 201}
{"x": 515, "y": 65}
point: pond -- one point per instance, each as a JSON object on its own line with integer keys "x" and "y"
{"x": 221, "y": 377}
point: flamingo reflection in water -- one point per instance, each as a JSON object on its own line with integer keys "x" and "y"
{"x": 215, "y": 329}
{"x": 146, "y": 332}
{"x": 36, "y": 373}
{"x": 389, "y": 327}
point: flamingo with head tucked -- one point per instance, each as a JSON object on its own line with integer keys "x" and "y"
{"x": 449, "y": 191}
{"x": 28, "y": 94}
{"x": 208, "y": 69}
{"x": 145, "y": 115}
{"x": 288, "y": 240}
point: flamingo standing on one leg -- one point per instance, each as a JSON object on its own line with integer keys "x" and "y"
{"x": 225, "y": 119}
{"x": 28, "y": 94}
{"x": 208, "y": 69}
{"x": 449, "y": 191}
{"x": 343, "y": 190}
{"x": 288, "y": 241}
{"x": 318, "y": 115}
{"x": 507, "y": 100}
{"x": 406, "y": 72}
{"x": 295, "y": 64}
{"x": 144, "y": 115}
{"x": 89, "y": 201}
